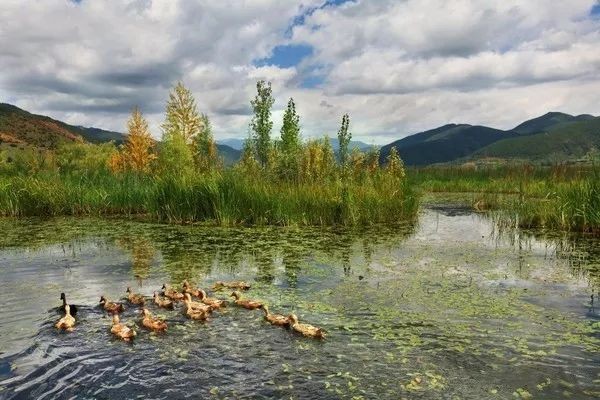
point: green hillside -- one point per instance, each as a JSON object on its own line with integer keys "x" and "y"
{"x": 548, "y": 121}
{"x": 444, "y": 144}
{"x": 23, "y": 128}
{"x": 562, "y": 142}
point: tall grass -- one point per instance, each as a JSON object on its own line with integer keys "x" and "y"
{"x": 224, "y": 198}
{"x": 565, "y": 197}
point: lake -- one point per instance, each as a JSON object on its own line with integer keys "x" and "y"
{"x": 449, "y": 308}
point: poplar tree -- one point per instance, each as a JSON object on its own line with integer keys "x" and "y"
{"x": 182, "y": 116}
{"x": 290, "y": 141}
{"x": 344, "y": 137}
{"x": 261, "y": 123}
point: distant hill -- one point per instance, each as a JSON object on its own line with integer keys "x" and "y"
{"x": 444, "y": 144}
{"x": 552, "y": 136}
{"x": 22, "y": 127}
{"x": 238, "y": 144}
{"x": 229, "y": 154}
{"x": 547, "y": 121}
{"x": 563, "y": 141}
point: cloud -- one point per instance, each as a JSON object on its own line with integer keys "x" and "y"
{"x": 396, "y": 66}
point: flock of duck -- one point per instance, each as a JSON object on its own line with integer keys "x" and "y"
{"x": 196, "y": 310}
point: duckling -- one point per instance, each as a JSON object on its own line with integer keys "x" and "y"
{"x": 67, "y": 322}
{"x": 64, "y": 300}
{"x": 171, "y": 293}
{"x": 240, "y": 285}
{"x": 305, "y": 329}
{"x": 163, "y": 302}
{"x": 120, "y": 330}
{"x": 153, "y": 323}
{"x": 196, "y": 305}
{"x": 248, "y": 304}
{"x": 193, "y": 313}
{"x": 275, "y": 319}
{"x": 111, "y": 307}
{"x": 135, "y": 298}
{"x": 210, "y": 301}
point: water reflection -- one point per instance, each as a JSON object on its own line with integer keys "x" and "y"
{"x": 452, "y": 307}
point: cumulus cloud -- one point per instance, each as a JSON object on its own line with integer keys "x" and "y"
{"x": 396, "y": 66}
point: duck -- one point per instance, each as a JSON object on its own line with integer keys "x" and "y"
{"x": 240, "y": 285}
{"x": 275, "y": 319}
{"x": 64, "y": 300}
{"x": 193, "y": 313}
{"x": 305, "y": 329}
{"x": 163, "y": 302}
{"x": 196, "y": 305}
{"x": 210, "y": 301}
{"x": 248, "y": 304}
{"x": 120, "y": 330}
{"x": 153, "y": 323}
{"x": 171, "y": 293}
{"x": 67, "y": 322}
{"x": 111, "y": 307}
{"x": 135, "y": 298}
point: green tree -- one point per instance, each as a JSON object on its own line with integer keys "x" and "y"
{"x": 290, "y": 142}
{"x": 175, "y": 156}
{"x": 261, "y": 123}
{"x": 344, "y": 137}
{"x": 204, "y": 147}
{"x": 182, "y": 116}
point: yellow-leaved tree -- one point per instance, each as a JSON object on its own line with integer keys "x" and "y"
{"x": 138, "y": 151}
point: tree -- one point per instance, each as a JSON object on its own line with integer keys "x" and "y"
{"x": 204, "y": 147}
{"x": 290, "y": 141}
{"x": 175, "y": 157}
{"x": 261, "y": 123}
{"x": 395, "y": 165}
{"x": 137, "y": 152}
{"x": 182, "y": 117}
{"x": 344, "y": 137}
{"x": 290, "y": 130}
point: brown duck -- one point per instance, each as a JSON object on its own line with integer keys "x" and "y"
{"x": 153, "y": 323}
{"x": 248, "y": 304}
{"x": 135, "y": 298}
{"x": 120, "y": 330}
{"x": 67, "y": 322}
{"x": 306, "y": 329}
{"x": 111, "y": 307}
{"x": 275, "y": 319}
{"x": 163, "y": 301}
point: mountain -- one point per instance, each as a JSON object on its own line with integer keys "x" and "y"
{"x": 21, "y": 127}
{"x": 552, "y": 136}
{"x": 444, "y": 144}
{"x": 230, "y": 155}
{"x": 565, "y": 140}
{"x": 238, "y": 144}
{"x": 547, "y": 121}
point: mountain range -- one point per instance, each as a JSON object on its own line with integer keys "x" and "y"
{"x": 553, "y": 136}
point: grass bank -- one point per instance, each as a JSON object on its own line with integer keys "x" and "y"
{"x": 555, "y": 197}
{"x": 223, "y": 198}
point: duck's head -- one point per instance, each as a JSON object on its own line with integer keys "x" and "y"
{"x": 128, "y": 289}
{"x": 63, "y": 297}
{"x": 235, "y": 294}
{"x": 164, "y": 286}
{"x": 116, "y": 319}
{"x": 293, "y": 318}
{"x": 102, "y": 299}
{"x": 145, "y": 312}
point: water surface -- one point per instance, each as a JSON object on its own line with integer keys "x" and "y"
{"x": 450, "y": 308}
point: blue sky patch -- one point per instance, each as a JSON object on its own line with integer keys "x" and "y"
{"x": 595, "y": 11}
{"x": 285, "y": 56}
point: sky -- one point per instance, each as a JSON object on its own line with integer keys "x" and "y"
{"x": 396, "y": 67}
